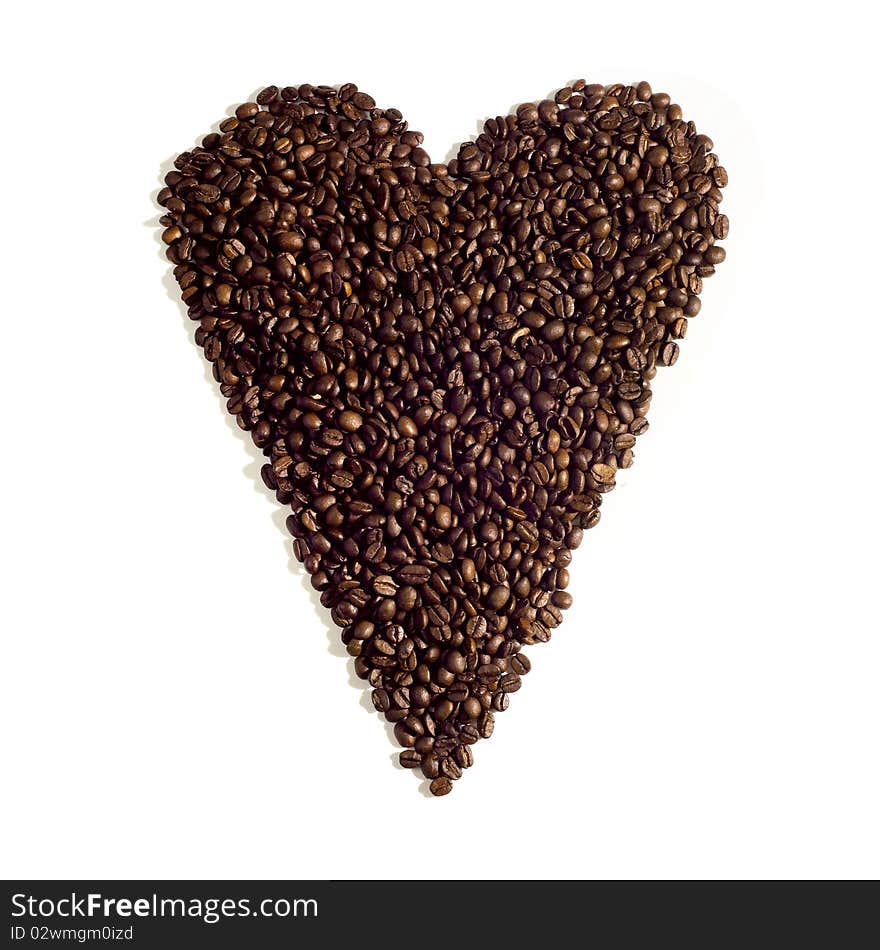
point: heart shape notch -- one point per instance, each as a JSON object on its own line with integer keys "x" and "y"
{"x": 445, "y": 366}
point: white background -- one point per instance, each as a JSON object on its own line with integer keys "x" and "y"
{"x": 171, "y": 703}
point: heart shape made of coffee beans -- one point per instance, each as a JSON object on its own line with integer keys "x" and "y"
{"x": 444, "y": 365}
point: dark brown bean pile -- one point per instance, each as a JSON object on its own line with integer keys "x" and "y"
{"x": 445, "y": 366}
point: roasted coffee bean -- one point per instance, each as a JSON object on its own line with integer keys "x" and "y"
{"x": 445, "y": 367}
{"x": 384, "y": 585}
{"x": 381, "y": 700}
{"x": 510, "y": 683}
{"x": 441, "y": 786}
{"x": 450, "y": 767}
{"x": 413, "y": 574}
{"x": 430, "y": 766}
{"x": 469, "y": 734}
{"x": 405, "y": 733}
{"x": 457, "y": 693}
{"x": 561, "y": 599}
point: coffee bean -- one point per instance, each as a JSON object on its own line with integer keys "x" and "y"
{"x": 444, "y": 366}
{"x": 669, "y": 353}
{"x": 604, "y": 474}
{"x": 469, "y": 734}
{"x": 443, "y": 517}
{"x": 413, "y": 574}
{"x": 450, "y": 767}
{"x": 510, "y": 683}
{"x": 384, "y": 585}
{"x": 441, "y": 786}
{"x": 457, "y": 693}
{"x": 404, "y": 735}
{"x": 498, "y": 597}
{"x": 350, "y": 421}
